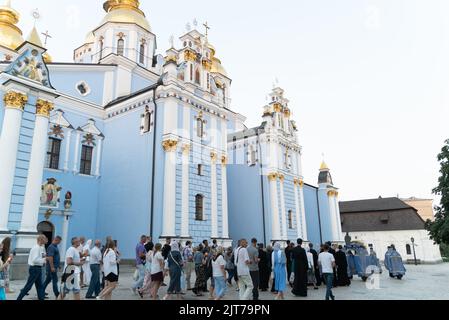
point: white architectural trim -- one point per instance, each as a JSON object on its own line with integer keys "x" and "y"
{"x": 224, "y": 203}
{"x": 169, "y": 209}
{"x": 31, "y": 204}
{"x": 275, "y": 223}
{"x": 214, "y": 202}
{"x": 98, "y": 156}
{"x": 283, "y": 212}
{"x": 67, "y": 150}
{"x": 9, "y": 144}
{"x": 77, "y": 151}
{"x": 303, "y": 214}
{"x": 185, "y": 232}
{"x": 298, "y": 212}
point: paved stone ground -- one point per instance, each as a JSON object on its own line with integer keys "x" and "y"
{"x": 423, "y": 282}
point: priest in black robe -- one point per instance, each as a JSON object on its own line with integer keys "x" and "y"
{"x": 300, "y": 267}
{"x": 342, "y": 267}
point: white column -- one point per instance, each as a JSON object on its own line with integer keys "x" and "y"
{"x": 213, "y": 199}
{"x": 185, "y": 233}
{"x": 9, "y": 144}
{"x": 303, "y": 211}
{"x": 65, "y": 234}
{"x": 299, "y": 222}
{"x": 224, "y": 199}
{"x": 31, "y": 203}
{"x": 332, "y": 216}
{"x": 97, "y": 166}
{"x": 283, "y": 213}
{"x": 77, "y": 151}
{"x": 67, "y": 150}
{"x": 169, "y": 209}
{"x": 275, "y": 223}
{"x": 337, "y": 213}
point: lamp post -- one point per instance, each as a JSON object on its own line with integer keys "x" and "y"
{"x": 414, "y": 252}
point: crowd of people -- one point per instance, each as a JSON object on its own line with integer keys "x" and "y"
{"x": 251, "y": 267}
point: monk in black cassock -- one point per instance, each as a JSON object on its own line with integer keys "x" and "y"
{"x": 342, "y": 268}
{"x": 301, "y": 265}
{"x": 264, "y": 268}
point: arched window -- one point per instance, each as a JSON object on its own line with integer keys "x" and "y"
{"x": 191, "y": 72}
{"x": 200, "y": 127}
{"x": 199, "y": 207}
{"x": 197, "y": 76}
{"x": 290, "y": 219}
{"x": 200, "y": 170}
{"x": 142, "y": 53}
{"x": 120, "y": 47}
{"x": 146, "y": 126}
{"x": 408, "y": 248}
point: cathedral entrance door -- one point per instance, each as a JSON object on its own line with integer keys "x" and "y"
{"x": 47, "y": 229}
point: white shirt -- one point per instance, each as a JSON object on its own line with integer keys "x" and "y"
{"x": 156, "y": 263}
{"x": 325, "y": 259}
{"x": 310, "y": 260}
{"x": 217, "y": 271}
{"x": 75, "y": 255}
{"x": 241, "y": 257}
{"x": 110, "y": 262}
{"x": 95, "y": 255}
{"x": 37, "y": 256}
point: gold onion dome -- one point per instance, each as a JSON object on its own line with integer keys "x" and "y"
{"x": 217, "y": 67}
{"x": 324, "y": 166}
{"x": 10, "y": 34}
{"x": 125, "y": 11}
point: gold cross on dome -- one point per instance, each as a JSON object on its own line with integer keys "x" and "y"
{"x": 206, "y": 25}
{"x": 46, "y": 35}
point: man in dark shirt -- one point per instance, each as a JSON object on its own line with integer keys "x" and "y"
{"x": 53, "y": 261}
{"x": 149, "y": 245}
{"x": 288, "y": 255}
{"x": 166, "y": 249}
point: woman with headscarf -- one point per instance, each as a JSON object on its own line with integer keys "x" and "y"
{"x": 279, "y": 263}
{"x": 86, "y": 265}
{"x": 175, "y": 269}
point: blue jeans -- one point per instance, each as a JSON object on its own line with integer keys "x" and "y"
{"x": 53, "y": 278}
{"x": 231, "y": 273}
{"x": 139, "y": 282}
{"x": 329, "y": 279}
{"x": 220, "y": 286}
{"x": 94, "y": 286}
{"x": 34, "y": 278}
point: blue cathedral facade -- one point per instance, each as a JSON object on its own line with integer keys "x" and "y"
{"x": 124, "y": 141}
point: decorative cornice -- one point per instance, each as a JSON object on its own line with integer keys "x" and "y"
{"x": 169, "y": 145}
{"x": 332, "y": 193}
{"x": 213, "y": 157}
{"x": 189, "y": 55}
{"x": 281, "y": 177}
{"x": 277, "y": 107}
{"x": 207, "y": 65}
{"x": 272, "y": 176}
{"x": 43, "y": 108}
{"x": 298, "y": 182}
{"x": 224, "y": 160}
{"x": 15, "y": 100}
{"x": 186, "y": 149}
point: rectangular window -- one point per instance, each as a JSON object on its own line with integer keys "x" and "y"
{"x": 200, "y": 170}
{"x": 53, "y": 153}
{"x": 86, "y": 160}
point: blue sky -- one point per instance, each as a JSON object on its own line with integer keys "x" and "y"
{"x": 368, "y": 80}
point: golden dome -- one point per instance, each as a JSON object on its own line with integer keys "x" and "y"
{"x": 217, "y": 67}
{"x": 125, "y": 11}
{"x": 324, "y": 166}
{"x": 10, "y": 34}
{"x": 47, "y": 58}
{"x": 35, "y": 39}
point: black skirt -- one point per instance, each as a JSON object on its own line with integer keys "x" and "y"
{"x": 112, "y": 277}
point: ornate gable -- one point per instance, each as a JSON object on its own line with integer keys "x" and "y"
{"x": 30, "y": 65}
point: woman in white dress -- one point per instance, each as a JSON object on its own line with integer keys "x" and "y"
{"x": 86, "y": 265}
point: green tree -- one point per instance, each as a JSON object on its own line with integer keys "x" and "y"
{"x": 439, "y": 229}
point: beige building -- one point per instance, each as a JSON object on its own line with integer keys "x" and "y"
{"x": 424, "y": 207}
